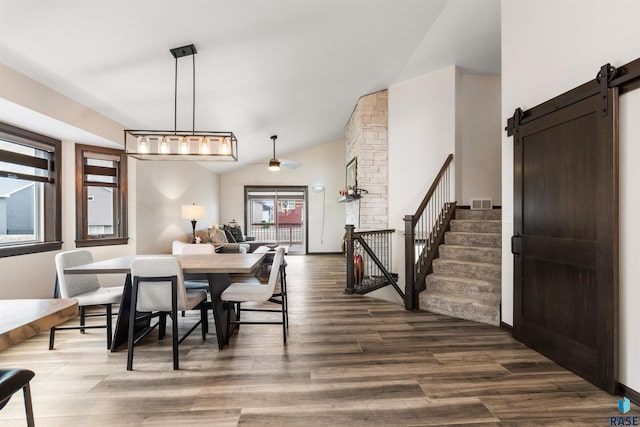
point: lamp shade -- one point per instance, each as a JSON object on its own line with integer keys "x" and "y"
{"x": 193, "y": 211}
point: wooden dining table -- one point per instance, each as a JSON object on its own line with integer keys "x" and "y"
{"x": 23, "y": 318}
{"x": 214, "y": 268}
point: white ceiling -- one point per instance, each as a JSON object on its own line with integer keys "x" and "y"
{"x": 291, "y": 67}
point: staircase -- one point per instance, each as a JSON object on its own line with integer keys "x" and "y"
{"x": 465, "y": 282}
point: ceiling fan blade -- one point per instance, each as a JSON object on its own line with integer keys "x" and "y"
{"x": 290, "y": 164}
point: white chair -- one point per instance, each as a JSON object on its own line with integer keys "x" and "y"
{"x": 158, "y": 290}
{"x": 195, "y": 249}
{"x": 237, "y": 293}
{"x": 86, "y": 289}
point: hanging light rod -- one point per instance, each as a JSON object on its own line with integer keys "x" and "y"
{"x": 177, "y": 144}
{"x": 274, "y": 163}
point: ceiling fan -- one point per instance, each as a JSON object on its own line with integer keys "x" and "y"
{"x": 275, "y": 164}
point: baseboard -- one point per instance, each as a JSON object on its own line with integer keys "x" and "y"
{"x": 506, "y": 327}
{"x": 629, "y": 393}
{"x": 325, "y": 253}
{"x": 469, "y": 207}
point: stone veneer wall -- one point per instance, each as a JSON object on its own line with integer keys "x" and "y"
{"x": 367, "y": 140}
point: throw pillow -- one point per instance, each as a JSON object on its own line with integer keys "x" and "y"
{"x": 230, "y": 237}
{"x": 237, "y": 233}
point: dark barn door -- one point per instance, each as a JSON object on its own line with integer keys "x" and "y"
{"x": 565, "y": 232}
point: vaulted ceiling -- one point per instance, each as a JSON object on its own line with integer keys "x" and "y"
{"x": 291, "y": 67}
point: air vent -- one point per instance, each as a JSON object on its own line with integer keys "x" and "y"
{"x": 481, "y": 204}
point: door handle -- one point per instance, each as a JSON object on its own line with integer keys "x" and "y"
{"x": 516, "y": 244}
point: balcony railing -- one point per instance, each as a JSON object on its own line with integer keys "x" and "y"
{"x": 291, "y": 233}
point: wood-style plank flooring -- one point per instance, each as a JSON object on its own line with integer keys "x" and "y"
{"x": 349, "y": 360}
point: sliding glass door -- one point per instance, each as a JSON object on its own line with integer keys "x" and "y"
{"x": 277, "y": 213}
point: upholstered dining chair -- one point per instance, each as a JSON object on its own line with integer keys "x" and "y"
{"x": 11, "y": 381}
{"x": 86, "y": 289}
{"x": 238, "y": 293}
{"x": 196, "y": 249}
{"x": 158, "y": 289}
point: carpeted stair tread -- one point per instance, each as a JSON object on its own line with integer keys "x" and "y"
{"x": 478, "y": 214}
{"x": 465, "y": 287}
{"x": 471, "y": 253}
{"x": 469, "y": 269}
{"x": 462, "y": 307}
{"x": 477, "y": 226}
{"x": 492, "y": 240}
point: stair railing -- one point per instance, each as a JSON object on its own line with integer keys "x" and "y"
{"x": 369, "y": 261}
{"x": 424, "y": 232}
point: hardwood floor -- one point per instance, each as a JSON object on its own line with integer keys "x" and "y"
{"x": 349, "y": 360}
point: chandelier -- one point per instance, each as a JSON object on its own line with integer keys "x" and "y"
{"x": 177, "y": 144}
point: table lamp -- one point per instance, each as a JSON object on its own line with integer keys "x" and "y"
{"x": 193, "y": 212}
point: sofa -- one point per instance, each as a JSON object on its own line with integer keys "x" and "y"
{"x": 230, "y": 239}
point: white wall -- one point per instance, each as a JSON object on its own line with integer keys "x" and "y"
{"x": 538, "y": 38}
{"x": 321, "y": 165}
{"x": 478, "y": 154}
{"x": 162, "y": 188}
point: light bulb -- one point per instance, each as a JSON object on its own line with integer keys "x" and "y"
{"x": 184, "y": 146}
{"x": 164, "y": 146}
{"x": 204, "y": 147}
{"x": 143, "y": 144}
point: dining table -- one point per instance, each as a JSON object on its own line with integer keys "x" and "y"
{"x": 23, "y": 318}
{"x": 216, "y": 269}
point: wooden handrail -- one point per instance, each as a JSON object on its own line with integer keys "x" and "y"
{"x": 418, "y": 265}
{"x": 432, "y": 189}
{"x": 366, "y": 232}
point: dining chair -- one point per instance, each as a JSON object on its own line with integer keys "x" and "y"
{"x": 158, "y": 290}
{"x": 197, "y": 249}
{"x": 12, "y": 380}
{"x": 238, "y": 293}
{"x": 86, "y": 289}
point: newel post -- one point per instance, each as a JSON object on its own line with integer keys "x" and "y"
{"x": 348, "y": 237}
{"x": 410, "y": 302}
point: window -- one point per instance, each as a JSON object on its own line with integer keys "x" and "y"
{"x": 101, "y": 196}
{"x": 277, "y": 213}
{"x": 30, "y": 219}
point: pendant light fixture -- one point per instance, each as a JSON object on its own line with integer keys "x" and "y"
{"x": 177, "y": 144}
{"x": 274, "y": 163}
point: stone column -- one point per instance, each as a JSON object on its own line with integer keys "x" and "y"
{"x": 367, "y": 140}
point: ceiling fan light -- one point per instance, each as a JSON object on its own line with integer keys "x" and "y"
{"x": 274, "y": 165}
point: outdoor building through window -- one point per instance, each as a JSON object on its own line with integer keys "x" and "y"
{"x": 277, "y": 213}
{"x": 29, "y": 192}
{"x": 101, "y": 196}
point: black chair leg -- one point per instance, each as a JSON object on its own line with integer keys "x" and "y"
{"x": 174, "y": 331}
{"x": 203, "y": 320}
{"x": 52, "y": 337}
{"x": 109, "y": 326}
{"x": 28, "y": 407}
{"x": 82, "y": 320}
{"x": 132, "y": 324}
{"x": 162, "y": 326}
{"x": 228, "y": 306}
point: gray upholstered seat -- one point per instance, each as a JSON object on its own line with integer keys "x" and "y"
{"x": 86, "y": 289}
{"x": 237, "y": 293}
{"x": 158, "y": 288}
